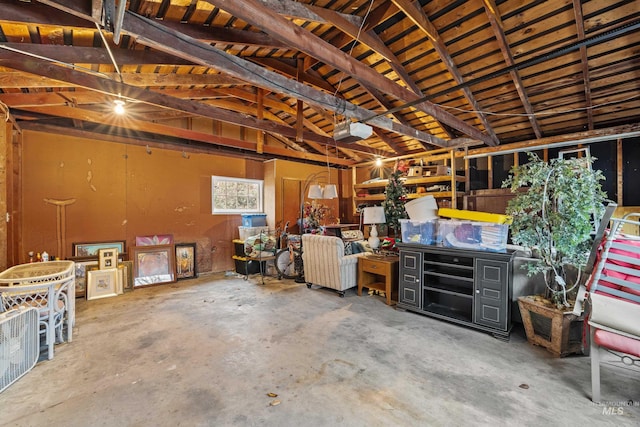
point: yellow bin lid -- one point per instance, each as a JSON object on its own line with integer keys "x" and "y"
{"x": 475, "y": 215}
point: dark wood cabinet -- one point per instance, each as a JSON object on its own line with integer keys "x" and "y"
{"x": 463, "y": 286}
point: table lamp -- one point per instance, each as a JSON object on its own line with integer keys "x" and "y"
{"x": 374, "y": 215}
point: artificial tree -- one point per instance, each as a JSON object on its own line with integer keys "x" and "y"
{"x": 554, "y": 211}
{"x": 393, "y": 204}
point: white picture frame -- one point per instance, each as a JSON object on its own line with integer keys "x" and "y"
{"x": 102, "y": 283}
{"x": 107, "y": 258}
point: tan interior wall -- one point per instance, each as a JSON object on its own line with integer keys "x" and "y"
{"x": 121, "y": 192}
{"x": 280, "y": 170}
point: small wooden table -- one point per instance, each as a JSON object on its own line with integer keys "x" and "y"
{"x": 378, "y": 272}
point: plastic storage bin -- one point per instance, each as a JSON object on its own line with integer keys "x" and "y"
{"x": 481, "y": 236}
{"x": 254, "y": 220}
{"x": 423, "y": 232}
{"x": 246, "y": 265}
{"x": 246, "y": 232}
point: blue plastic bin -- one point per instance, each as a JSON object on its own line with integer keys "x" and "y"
{"x": 254, "y": 220}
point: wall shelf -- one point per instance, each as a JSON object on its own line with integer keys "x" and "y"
{"x": 374, "y": 191}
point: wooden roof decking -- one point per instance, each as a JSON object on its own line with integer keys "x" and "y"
{"x": 424, "y": 74}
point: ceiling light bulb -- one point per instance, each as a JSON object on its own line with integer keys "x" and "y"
{"x": 118, "y": 107}
{"x": 378, "y": 162}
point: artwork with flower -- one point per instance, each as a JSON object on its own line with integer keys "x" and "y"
{"x": 314, "y": 214}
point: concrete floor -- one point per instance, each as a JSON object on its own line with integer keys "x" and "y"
{"x": 206, "y": 352}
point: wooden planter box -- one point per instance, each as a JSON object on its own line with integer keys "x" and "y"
{"x": 557, "y": 331}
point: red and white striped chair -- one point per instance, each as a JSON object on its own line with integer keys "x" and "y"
{"x": 614, "y": 295}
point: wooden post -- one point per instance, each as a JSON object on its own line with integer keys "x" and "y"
{"x": 61, "y": 229}
{"x": 619, "y": 169}
{"x": 260, "y": 135}
{"x": 5, "y": 145}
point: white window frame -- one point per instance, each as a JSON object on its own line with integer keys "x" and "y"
{"x": 226, "y": 179}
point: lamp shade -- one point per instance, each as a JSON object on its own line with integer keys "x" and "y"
{"x": 315, "y": 192}
{"x": 374, "y": 215}
{"x": 318, "y": 192}
{"x": 330, "y": 191}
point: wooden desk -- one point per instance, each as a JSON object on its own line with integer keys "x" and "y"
{"x": 378, "y": 272}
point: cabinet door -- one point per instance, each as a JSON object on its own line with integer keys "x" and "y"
{"x": 491, "y": 300}
{"x": 410, "y": 281}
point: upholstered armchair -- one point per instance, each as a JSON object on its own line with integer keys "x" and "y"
{"x": 326, "y": 265}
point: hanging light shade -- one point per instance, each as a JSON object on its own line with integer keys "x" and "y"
{"x": 315, "y": 192}
{"x": 330, "y": 192}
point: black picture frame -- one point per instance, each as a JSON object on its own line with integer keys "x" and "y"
{"x": 185, "y": 261}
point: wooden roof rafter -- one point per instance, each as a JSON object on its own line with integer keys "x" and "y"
{"x": 270, "y": 22}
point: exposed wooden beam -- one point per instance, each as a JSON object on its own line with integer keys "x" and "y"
{"x": 146, "y": 126}
{"x": 414, "y": 11}
{"x": 372, "y": 40}
{"x": 295, "y": 10}
{"x": 21, "y": 80}
{"x": 498, "y": 29}
{"x": 110, "y": 87}
{"x": 88, "y": 97}
{"x": 260, "y": 110}
{"x": 215, "y": 148}
{"x": 153, "y": 34}
{"x": 94, "y": 55}
{"x": 255, "y": 13}
{"x": 577, "y": 10}
{"x": 631, "y": 130}
{"x": 291, "y": 71}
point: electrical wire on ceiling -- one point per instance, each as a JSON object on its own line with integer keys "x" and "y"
{"x": 353, "y": 45}
{"x": 239, "y": 62}
{"x": 113, "y": 59}
{"x": 342, "y": 102}
{"x": 55, "y": 61}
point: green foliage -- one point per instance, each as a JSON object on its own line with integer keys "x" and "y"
{"x": 553, "y": 213}
{"x": 393, "y": 204}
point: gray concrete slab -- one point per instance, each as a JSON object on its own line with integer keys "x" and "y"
{"x": 208, "y": 351}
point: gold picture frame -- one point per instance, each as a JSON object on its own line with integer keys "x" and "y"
{"x": 102, "y": 283}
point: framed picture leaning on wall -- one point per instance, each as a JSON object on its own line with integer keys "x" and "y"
{"x": 186, "y": 261}
{"x": 90, "y": 249}
{"x": 127, "y": 275}
{"x": 107, "y": 258}
{"x": 102, "y": 283}
{"x": 153, "y": 265}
